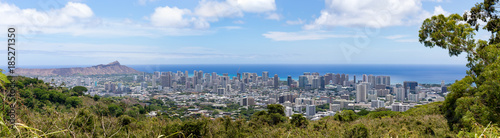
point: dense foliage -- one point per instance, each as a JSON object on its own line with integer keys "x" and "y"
{"x": 474, "y": 100}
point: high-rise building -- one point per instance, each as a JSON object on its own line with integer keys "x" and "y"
{"x": 288, "y": 111}
{"x": 328, "y": 78}
{"x": 303, "y": 81}
{"x": 265, "y": 76}
{"x": 153, "y": 81}
{"x": 361, "y": 91}
{"x": 238, "y": 76}
{"x": 410, "y": 87}
{"x": 342, "y": 79}
{"x": 289, "y": 81}
{"x": 400, "y": 94}
{"x": 336, "y": 79}
{"x": 310, "y": 110}
{"x": 166, "y": 79}
{"x": 276, "y": 81}
{"x": 322, "y": 82}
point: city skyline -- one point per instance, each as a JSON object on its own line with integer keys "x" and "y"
{"x": 244, "y": 32}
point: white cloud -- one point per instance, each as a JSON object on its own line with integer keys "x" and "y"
{"x": 369, "y": 13}
{"x": 295, "y": 36}
{"x": 256, "y": 6}
{"x": 143, "y": 2}
{"x": 396, "y": 36}
{"x": 296, "y": 22}
{"x": 239, "y": 22}
{"x": 215, "y": 10}
{"x": 69, "y": 14}
{"x": 402, "y": 38}
{"x": 439, "y": 10}
{"x": 176, "y": 18}
{"x": 407, "y": 40}
{"x": 273, "y": 16}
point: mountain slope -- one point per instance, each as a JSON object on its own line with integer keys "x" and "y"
{"x": 111, "y": 68}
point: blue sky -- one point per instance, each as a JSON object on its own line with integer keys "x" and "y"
{"x": 85, "y": 32}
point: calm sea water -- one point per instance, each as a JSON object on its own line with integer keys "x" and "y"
{"x": 399, "y": 73}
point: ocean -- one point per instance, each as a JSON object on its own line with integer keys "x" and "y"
{"x": 421, "y": 73}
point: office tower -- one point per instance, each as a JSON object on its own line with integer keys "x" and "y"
{"x": 361, "y": 91}
{"x": 288, "y": 111}
{"x": 265, "y": 76}
{"x": 315, "y": 83}
{"x": 400, "y": 94}
{"x": 208, "y": 79}
{"x": 195, "y": 77}
{"x": 153, "y": 81}
{"x": 244, "y": 102}
{"x": 238, "y": 76}
{"x": 220, "y": 91}
{"x": 224, "y": 81}
{"x": 242, "y": 87}
{"x": 250, "y": 101}
{"x": 166, "y": 79}
{"x": 410, "y": 87}
{"x": 200, "y": 74}
{"x": 199, "y": 88}
{"x": 389, "y": 98}
{"x": 371, "y": 80}
{"x": 342, "y": 79}
{"x": 303, "y": 81}
{"x": 378, "y": 80}
{"x": 310, "y": 110}
{"x": 276, "y": 81}
{"x": 335, "y": 107}
{"x": 387, "y": 80}
{"x": 336, "y": 79}
{"x": 328, "y": 78}
{"x": 365, "y": 78}
{"x": 289, "y": 81}
{"x": 322, "y": 82}
{"x": 354, "y": 77}
{"x": 215, "y": 77}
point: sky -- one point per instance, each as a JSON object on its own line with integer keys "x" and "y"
{"x": 135, "y": 32}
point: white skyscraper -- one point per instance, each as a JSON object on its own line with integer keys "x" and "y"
{"x": 361, "y": 90}
{"x": 400, "y": 94}
{"x": 288, "y": 111}
{"x": 310, "y": 110}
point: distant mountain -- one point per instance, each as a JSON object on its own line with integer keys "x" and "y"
{"x": 111, "y": 68}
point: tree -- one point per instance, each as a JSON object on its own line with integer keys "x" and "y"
{"x": 3, "y": 79}
{"x": 475, "y": 97}
{"x": 276, "y": 108}
{"x": 345, "y": 116}
{"x": 79, "y": 90}
{"x": 298, "y": 120}
{"x": 73, "y": 101}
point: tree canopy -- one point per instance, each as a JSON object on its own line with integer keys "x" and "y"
{"x": 475, "y": 98}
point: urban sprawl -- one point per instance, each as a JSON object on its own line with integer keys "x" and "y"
{"x": 312, "y": 95}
